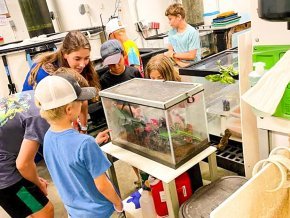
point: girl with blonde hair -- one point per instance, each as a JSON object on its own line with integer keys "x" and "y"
{"x": 161, "y": 67}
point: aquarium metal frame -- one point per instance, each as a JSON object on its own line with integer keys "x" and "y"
{"x": 151, "y": 103}
{"x": 163, "y": 105}
{"x": 202, "y": 146}
{"x": 169, "y": 138}
{"x": 193, "y": 71}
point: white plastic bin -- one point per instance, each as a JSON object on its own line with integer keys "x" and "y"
{"x": 252, "y": 200}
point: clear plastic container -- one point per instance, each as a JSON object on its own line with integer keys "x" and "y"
{"x": 161, "y": 120}
{"x": 147, "y": 205}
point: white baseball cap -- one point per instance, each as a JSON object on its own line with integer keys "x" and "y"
{"x": 113, "y": 25}
{"x": 56, "y": 91}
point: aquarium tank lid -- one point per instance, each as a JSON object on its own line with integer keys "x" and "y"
{"x": 153, "y": 93}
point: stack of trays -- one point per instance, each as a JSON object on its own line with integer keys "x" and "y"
{"x": 225, "y": 18}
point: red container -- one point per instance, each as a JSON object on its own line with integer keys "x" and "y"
{"x": 154, "y": 25}
{"x": 183, "y": 188}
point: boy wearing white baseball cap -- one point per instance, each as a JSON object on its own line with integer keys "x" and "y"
{"x": 115, "y": 30}
{"x": 75, "y": 162}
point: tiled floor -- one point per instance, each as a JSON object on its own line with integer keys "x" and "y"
{"x": 126, "y": 178}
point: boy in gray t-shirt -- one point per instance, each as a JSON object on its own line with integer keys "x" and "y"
{"x": 21, "y": 132}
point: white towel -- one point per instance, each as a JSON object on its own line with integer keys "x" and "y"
{"x": 267, "y": 93}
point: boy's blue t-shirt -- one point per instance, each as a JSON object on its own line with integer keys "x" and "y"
{"x": 40, "y": 75}
{"x": 73, "y": 161}
{"x": 185, "y": 41}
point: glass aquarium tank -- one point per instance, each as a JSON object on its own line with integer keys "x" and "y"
{"x": 207, "y": 42}
{"x": 210, "y": 64}
{"x": 161, "y": 120}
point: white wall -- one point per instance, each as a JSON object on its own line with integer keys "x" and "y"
{"x": 266, "y": 32}
{"x": 240, "y": 6}
{"x": 149, "y": 10}
{"x": 70, "y": 18}
{"x": 243, "y": 7}
{"x": 16, "y": 16}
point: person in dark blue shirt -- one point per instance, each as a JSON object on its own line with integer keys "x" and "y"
{"x": 74, "y": 53}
